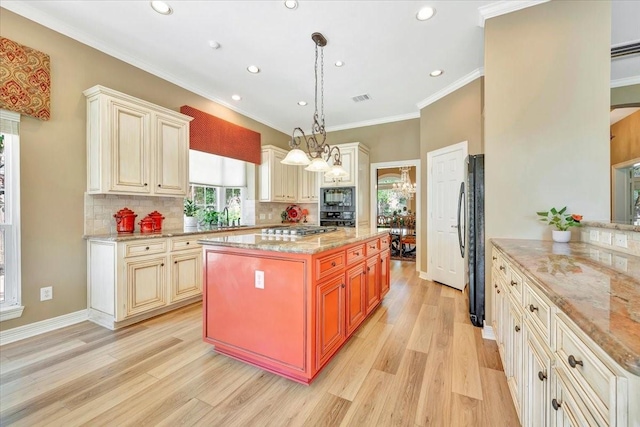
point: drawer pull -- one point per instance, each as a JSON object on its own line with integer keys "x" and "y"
{"x": 556, "y": 405}
{"x": 502, "y": 267}
{"x": 162, "y": 265}
{"x": 495, "y": 286}
{"x": 542, "y": 376}
{"x": 368, "y": 268}
{"x": 175, "y": 262}
{"x": 188, "y": 243}
{"x": 573, "y": 362}
{"x": 532, "y": 308}
{"x": 513, "y": 283}
{"x": 357, "y": 253}
{"x": 494, "y": 258}
{"x": 517, "y": 328}
{"x": 159, "y": 185}
{"x": 498, "y": 291}
{"x": 145, "y": 184}
{"x": 147, "y": 248}
{"x": 342, "y": 285}
{"x": 333, "y": 263}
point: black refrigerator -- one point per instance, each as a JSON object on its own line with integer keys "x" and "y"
{"x": 471, "y": 233}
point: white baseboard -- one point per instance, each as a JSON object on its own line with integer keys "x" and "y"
{"x": 37, "y": 328}
{"x": 424, "y": 275}
{"x": 487, "y": 332}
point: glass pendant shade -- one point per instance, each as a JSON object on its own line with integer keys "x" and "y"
{"x": 336, "y": 172}
{"x": 318, "y": 165}
{"x": 296, "y": 157}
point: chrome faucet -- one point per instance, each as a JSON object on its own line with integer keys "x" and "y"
{"x": 226, "y": 212}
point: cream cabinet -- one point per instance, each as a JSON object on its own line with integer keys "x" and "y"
{"x": 278, "y": 182}
{"x": 132, "y": 280}
{"x": 135, "y": 147}
{"x": 308, "y": 188}
{"x": 556, "y": 374}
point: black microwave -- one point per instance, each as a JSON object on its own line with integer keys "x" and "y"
{"x": 343, "y": 197}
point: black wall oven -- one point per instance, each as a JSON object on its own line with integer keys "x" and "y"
{"x": 338, "y": 206}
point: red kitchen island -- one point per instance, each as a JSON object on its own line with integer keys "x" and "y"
{"x": 287, "y": 303}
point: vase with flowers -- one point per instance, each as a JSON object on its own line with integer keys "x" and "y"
{"x": 562, "y": 221}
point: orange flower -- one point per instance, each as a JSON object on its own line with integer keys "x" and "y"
{"x": 305, "y": 212}
{"x": 576, "y": 217}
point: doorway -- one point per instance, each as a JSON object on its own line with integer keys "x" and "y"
{"x": 625, "y": 192}
{"x": 390, "y": 173}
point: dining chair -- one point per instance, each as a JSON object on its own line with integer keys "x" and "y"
{"x": 408, "y": 235}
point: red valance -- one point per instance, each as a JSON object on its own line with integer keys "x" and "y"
{"x": 216, "y": 136}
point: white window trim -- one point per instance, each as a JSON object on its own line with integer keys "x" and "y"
{"x": 14, "y": 309}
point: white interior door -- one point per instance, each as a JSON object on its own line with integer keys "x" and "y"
{"x": 446, "y": 172}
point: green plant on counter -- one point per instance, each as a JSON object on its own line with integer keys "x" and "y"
{"x": 190, "y": 208}
{"x": 1, "y": 143}
{"x": 209, "y": 217}
{"x": 559, "y": 219}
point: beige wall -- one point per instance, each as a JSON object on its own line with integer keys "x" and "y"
{"x": 387, "y": 142}
{"x": 626, "y": 95}
{"x": 546, "y": 118}
{"x": 626, "y": 144}
{"x": 455, "y": 118}
{"x": 53, "y": 162}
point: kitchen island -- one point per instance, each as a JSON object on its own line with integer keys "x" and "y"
{"x": 288, "y": 303}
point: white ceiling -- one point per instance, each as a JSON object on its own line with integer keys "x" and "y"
{"x": 388, "y": 54}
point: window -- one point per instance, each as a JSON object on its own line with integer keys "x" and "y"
{"x": 10, "y": 301}
{"x": 215, "y": 199}
{"x": 389, "y": 201}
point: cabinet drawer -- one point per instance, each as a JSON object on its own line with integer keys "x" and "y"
{"x": 330, "y": 264}
{"x": 355, "y": 254}
{"x": 372, "y": 247}
{"x": 145, "y": 247}
{"x": 538, "y": 311}
{"x": 385, "y": 242}
{"x": 184, "y": 243}
{"x": 514, "y": 283}
{"x": 499, "y": 263}
{"x": 584, "y": 368}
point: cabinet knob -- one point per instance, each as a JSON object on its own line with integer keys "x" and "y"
{"x": 495, "y": 258}
{"x": 342, "y": 285}
{"x": 147, "y": 248}
{"x": 357, "y": 253}
{"x": 381, "y": 260}
{"x": 502, "y": 267}
{"x": 333, "y": 263}
{"x": 175, "y": 262}
{"x": 532, "y": 308}
{"x": 495, "y": 285}
{"x": 517, "y": 328}
{"x": 368, "y": 268}
{"x": 498, "y": 291}
{"x": 556, "y": 405}
{"x": 162, "y": 265}
{"x": 145, "y": 184}
{"x": 159, "y": 185}
{"x": 573, "y": 362}
{"x": 513, "y": 283}
{"x": 542, "y": 376}
{"x": 188, "y": 243}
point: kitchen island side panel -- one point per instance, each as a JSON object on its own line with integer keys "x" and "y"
{"x": 267, "y": 324}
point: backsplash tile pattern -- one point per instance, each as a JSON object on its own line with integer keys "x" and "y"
{"x": 612, "y": 237}
{"x": 272, "y": 211}
{"x": 100, "y": 208}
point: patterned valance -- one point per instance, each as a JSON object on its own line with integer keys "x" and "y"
{"x": 210, "y": 134}
{"x": 25, "y": 80}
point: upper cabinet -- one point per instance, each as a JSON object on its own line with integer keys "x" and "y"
{"x": 308, "y": 188}
{"x": 278, "y": 182}
{"x": 135, "y": 147}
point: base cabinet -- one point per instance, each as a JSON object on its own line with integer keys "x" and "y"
{"x": 146, "y": 284}
{"x": 330, "y": 309}
{"x": 557, "y": 375}
{"x": 385, "y": 272}
{"x": 186, "y": 275}
{"x": 356, "y": 296}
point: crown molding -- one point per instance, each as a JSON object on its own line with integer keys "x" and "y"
{"x": 373, "y": 122}
{"x": 478, "y": 72}
{"x": 503, "y": 7}
{"x": 627, "y": 81}
{"x": 43, "y": 19}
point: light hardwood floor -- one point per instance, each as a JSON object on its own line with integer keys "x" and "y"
{"x": 417, "y": 361}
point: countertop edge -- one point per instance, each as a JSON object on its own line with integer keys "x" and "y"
{"x": 630, "y": 363}
{"x": 123, "y": 237}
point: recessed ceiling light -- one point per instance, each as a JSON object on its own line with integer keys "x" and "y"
{"x": 302, "y": 103}
{"x": 161, "y": 7}
{"x": 236, "y": 97}
{"x": 253, "y": 69}
{"x": 339, "y": 63}
{"x": 291, "y": 4}
{"x": 425, "y": 13}
{"x": 436, "y": 73}
{"x": 214, "y": 44}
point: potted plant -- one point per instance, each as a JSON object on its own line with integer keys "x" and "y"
{"x": 190, "y": 211}
{"x": 209, "y": 218}
{"x": 562, "y": 221}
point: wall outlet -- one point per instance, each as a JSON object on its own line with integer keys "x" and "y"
{"x": 46, "y": 293}
{"x": 621, "y": 240}
{"x": 593, "y": 235}
{"x": 605, "y": 237}
{"x": 270, "y": 216}
{"x": 620, "y": 263}
{"x": 262, "y": 216}
{"x": 259, "y": 282}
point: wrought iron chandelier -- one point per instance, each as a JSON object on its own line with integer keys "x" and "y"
{"x": 405, "y": 188}
{"x": 318, "y": 153}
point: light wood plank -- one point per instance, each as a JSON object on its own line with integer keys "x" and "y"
{"x": 465, "y": 411}
{"x": 368, "y": 403}
{"x": 497, "y": 407}
{"x": 187, "y": 415}
{"x": 329, "y": 412}
{"x": 466, "y": 374}
{"x": 420, "y": 338}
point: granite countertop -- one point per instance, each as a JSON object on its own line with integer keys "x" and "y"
{"x": 310, "y": 244}
{"x": 121, "y": 237}
{"x": 619, "y": 225}
{"x": 598, "y": 289}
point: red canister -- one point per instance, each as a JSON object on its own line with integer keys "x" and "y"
{"x": 157, "y": 220}
{"x": 125, "y": 220}
{"x": 146, "y": 225}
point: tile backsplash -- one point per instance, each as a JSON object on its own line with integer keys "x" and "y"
{"x": 100, "y": 208}
{"x": 617, "y": 237}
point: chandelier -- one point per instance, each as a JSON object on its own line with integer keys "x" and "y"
{"x": 405, "y": 188}
{"x": 318, "y": 152}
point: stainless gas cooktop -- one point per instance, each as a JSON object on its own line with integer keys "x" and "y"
{"x": 298, "y": 230}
